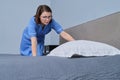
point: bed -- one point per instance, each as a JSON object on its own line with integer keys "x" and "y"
{"x": 16, "y": 67}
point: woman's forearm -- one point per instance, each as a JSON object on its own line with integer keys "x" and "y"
{"x": 66, "y": 36}
{"x": 34, "y": 46}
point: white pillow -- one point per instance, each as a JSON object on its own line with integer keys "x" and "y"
{"x": 84, "y": 48}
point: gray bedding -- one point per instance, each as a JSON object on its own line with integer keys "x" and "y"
{"x": 16, "y": 67}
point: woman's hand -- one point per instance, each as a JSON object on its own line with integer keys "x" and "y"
{"x": 66, "y": 36}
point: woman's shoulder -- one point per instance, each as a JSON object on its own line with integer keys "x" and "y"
{"x": 32, "y": 19}
{"x": 53, "y": 21}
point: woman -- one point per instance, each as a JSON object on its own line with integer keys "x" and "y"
{"x": 32, "y": 43}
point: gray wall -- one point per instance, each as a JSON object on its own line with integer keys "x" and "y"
{"x": 14, "y": 16}
{"x": 74, "y": 12}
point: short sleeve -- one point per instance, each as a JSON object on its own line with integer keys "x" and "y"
{"x": 57, "y": 27}
{"x": 32, "y": 28}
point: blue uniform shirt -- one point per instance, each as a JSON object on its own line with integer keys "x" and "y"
{"x": 35, "y": 30}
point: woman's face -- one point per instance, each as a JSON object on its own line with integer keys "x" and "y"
{"x": 45, "y": 18}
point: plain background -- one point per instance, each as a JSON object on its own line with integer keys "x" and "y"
{"x": 15, "y": 15}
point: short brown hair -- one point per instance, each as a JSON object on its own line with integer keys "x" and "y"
{"x": 39, "y": 11}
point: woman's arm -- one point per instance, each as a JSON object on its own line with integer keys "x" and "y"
{"x": 66, "y": 36}
{"x": 34, "y": 46}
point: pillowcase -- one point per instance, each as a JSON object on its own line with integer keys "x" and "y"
{"x": 84, "y": 48}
